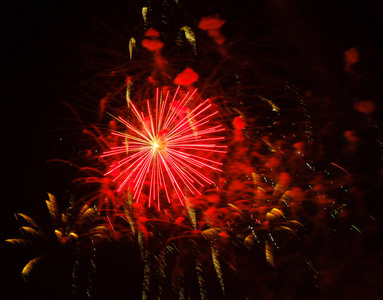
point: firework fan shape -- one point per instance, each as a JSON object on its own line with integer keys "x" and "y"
{"x": 167, "y": 152}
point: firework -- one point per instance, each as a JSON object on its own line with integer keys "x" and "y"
{"x": 168, "y": 150}
{"x": 69, "y": 228}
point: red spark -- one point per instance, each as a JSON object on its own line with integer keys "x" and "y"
{"x": 212, "y": 26}
{"x": 334, "y": 164}
{"x": 186, "y": 77}
{"x": 167, "y": 151}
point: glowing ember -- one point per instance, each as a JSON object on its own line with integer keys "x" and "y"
{"x": 167, "y": 150}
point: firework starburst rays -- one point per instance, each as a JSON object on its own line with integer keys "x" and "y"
{"x": 168, "y": 151}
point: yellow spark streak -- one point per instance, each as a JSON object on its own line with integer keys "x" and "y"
{"x": 145, "y": 259}
{"x": 132, "y": 47}
{"x": 190, "y": 36}
{"x": 271, "y": 103}
{"x": 128, "y": 206}
{"x": 144, "y": 13}
{"x": 257, "y": 179}
{"x": 59, "y": 234}
{"x": 217, "y": 265}
{"x": 201, "y": 281}
{"x": 191, "y": 212}
{"x": 269, "y": 251}
{"x": 129, "y": 85}
{"x": 30, "y": 265}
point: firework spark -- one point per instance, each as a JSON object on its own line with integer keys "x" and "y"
{"x": 167, "y": 150}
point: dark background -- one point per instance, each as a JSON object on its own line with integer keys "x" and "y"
{"x": 42, "y": 40}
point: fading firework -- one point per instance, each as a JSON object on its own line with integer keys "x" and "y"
{"x": 168, "y": 149}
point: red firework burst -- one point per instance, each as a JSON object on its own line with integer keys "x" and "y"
{"x": 168, "y": 149}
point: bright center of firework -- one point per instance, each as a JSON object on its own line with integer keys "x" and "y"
{"x": 158, "y": 145}
{"x": 167, "y": 152}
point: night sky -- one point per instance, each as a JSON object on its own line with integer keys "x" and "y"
{"x": 43, "y": 43}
